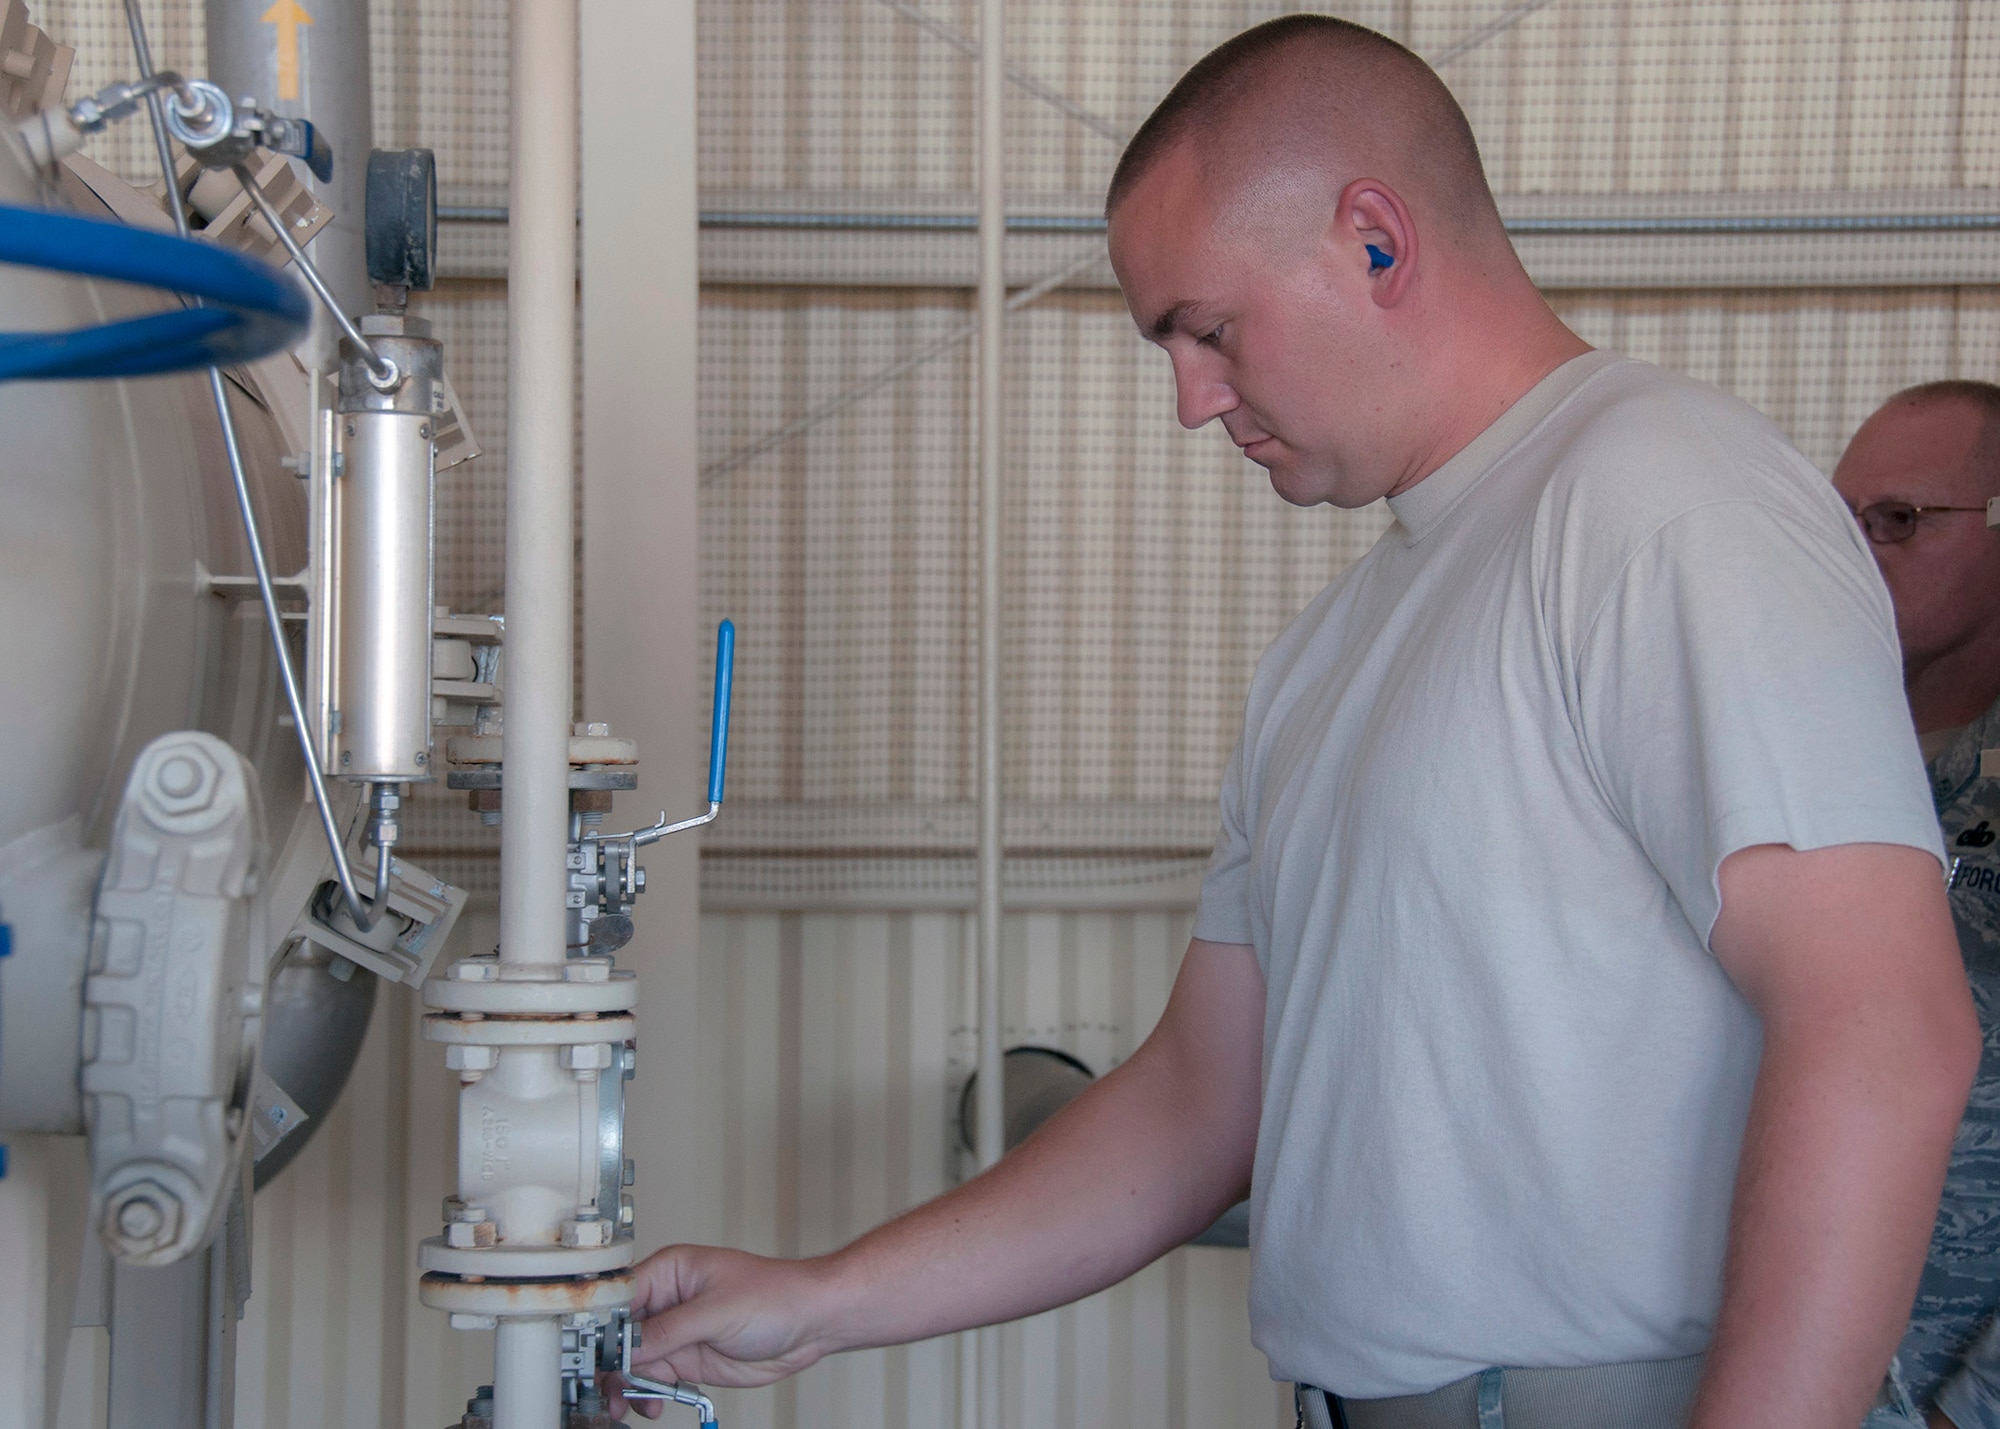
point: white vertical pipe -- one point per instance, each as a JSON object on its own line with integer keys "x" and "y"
{"x": 541, "y": 361}
{"x": 992, "y": 357}
{"x": 527, "y": 1374}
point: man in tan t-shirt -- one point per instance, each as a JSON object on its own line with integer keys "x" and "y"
{"x": 1304, "y": 228}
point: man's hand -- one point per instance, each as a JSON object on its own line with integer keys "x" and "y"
{"x": 1870, "y": 1045}
{"x": 1149, "y": 1155}
{"x": 736, "y": 1320}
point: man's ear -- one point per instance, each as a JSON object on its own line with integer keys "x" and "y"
{"x": 1374, "y": 224}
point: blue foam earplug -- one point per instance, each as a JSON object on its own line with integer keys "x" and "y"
{"x": 1378, "y": 260}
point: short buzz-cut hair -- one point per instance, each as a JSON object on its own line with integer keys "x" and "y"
{"x": 1331, "y": 55}
{"x": 1984, "y": 395}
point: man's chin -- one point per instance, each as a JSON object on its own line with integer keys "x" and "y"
{"x": 1294, "y": 485}
{"x": 1301, "y": 485}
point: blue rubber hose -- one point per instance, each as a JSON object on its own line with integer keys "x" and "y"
{"x": 251, "y": 310}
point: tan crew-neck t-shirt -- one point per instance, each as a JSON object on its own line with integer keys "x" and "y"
{"x": 1472, "y": 828}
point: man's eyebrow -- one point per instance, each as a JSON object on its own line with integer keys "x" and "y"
{"x": 1167, "y": 322}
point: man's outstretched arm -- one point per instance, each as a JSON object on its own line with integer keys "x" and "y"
{"x": 1870, "y": 1045}
{"x": 1145, "y": 1158}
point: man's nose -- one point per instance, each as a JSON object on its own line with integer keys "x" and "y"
{"x": 1201, "y": 395}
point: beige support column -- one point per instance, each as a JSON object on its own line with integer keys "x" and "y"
{"x": 645, "y": 642}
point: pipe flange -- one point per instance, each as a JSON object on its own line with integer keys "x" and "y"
{"x": 527, "y": 1031}
{"x": 600, "y": 989}
{"x": 613, "y": 1290}
{"x": 487, "y": 776}
{"x": 583, "y": 749}
{"x": 524, "y": 1262}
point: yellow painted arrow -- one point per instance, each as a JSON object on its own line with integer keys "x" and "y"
{"x": 287, "y": 16}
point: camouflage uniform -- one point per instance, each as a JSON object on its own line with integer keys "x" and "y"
{"x": 1960, "y": 1289}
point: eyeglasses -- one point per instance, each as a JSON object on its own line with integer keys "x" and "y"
{"x": 1888, "y": 522}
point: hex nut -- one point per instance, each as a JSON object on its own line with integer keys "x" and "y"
{"x": 471, "y": 1235}
{"x": 480, "y": 969}
{"x": 142, "y": 1218}
{"x": 185, "y": 781}
{"x": 178, "y": 777}
{"x": 464, "y": 1057}
{"x": 586, "y": 1230}
{"x": 584, "y": 1056}
{"x": 587, "y": 970}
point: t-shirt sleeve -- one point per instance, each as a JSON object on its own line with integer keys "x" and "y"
{"x": 1740, "y": 684}
{"x": 1223, "y": 915}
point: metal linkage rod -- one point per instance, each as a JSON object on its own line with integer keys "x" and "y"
{"x": 363, "y": 912}
{"x": 156, "y": 110}
{"x": 382, "y": 371}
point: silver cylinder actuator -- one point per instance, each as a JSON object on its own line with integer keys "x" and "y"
{"x": 385, "y": 508}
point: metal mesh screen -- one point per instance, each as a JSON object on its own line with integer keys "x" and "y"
{"x": 1792, "y": 199}
{"x": 1737, "y": 188}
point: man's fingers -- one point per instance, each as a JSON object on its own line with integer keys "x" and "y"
{"x": 720, "y": 1317}
{"x": 668, "y": 1277}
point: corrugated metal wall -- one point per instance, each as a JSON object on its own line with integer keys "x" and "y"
{"x": 1147, "y": 568}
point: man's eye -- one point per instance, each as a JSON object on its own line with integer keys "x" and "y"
{"x": 1211, "y": 339}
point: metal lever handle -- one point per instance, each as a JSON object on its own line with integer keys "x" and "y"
{"x": 718, "y": 727}
{"x": 637, "y": 1386}
{"x": 718, "y": 748}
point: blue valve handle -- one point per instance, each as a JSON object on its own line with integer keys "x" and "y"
{"x": 252, "y": 311}
{"x": 718, "y": 729}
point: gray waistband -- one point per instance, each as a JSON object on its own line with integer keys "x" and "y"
{"x": 1645, "y": 1394}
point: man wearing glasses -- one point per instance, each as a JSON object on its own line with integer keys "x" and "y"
{"x": 1918, "y": 476}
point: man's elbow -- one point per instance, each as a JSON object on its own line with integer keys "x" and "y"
{"x": 1941, "y": 1043}
{"x": 1960, "y": 1042}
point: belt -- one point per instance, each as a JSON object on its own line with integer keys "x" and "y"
{"x": 1644, "y": 1394}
